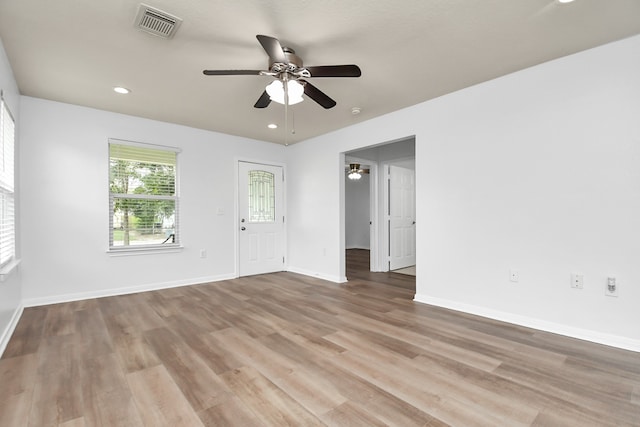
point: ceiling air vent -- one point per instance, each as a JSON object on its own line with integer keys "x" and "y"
{"x": 157, "y": 22}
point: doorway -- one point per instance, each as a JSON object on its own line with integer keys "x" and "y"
{"x": 260, "y": 218}
{"x": 392, "y": 184}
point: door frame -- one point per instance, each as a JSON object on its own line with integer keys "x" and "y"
{"x": 236, "y": 208}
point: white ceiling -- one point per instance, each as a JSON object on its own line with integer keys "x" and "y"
{"x": 409, "y": 51}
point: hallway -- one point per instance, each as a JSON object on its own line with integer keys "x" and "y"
{"x": 358, "y": 269}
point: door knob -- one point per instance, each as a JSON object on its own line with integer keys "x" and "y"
{"x": 243, "y": 228}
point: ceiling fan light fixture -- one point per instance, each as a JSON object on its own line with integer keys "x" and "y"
{"x": 354, "y": 175}
{"x": 354, "y": 171}
{"x": 276, "y": 91}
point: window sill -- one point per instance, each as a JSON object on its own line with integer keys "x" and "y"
{"x": 144, "y": 251}
{"x": 8, "y": 268}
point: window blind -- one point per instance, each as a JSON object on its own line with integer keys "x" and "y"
{"x": 137, "y": 153}
{"x": 7, "y": 213}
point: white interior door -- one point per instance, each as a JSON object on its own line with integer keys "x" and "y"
{"x": 402, "y": 213}
{"x": 261, "y": 218}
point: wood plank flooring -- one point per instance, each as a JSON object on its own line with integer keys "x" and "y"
{"x": 288, "y": 350}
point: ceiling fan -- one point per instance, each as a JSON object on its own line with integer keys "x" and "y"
{"x": 290, "y": 74}
{"x": 354, "y": 172}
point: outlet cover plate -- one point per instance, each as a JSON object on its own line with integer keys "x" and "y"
{"x": 611, "y": 287}
{"x": 514, "y": 276}
{"x": 577, "y": 281}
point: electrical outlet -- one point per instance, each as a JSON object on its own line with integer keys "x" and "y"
{"x": 611, "y": 288}
{"x": 513, "y": 275}
{"x": 577, "y": 281}
{"x": 203, "y": 253}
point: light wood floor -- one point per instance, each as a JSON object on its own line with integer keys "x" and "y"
{"x": 285, "y": 349}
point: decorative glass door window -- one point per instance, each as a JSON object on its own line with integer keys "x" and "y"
{"x": 262, "y": 199}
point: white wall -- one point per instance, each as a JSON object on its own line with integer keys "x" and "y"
{"x": 11, "y": 288}
{"x": 536, "y": 171}
{"x": 389, "y": 151}
{"x": 357, "y": 209}
{"x": 313, "y": 219}
{"x": 64, "y": 173}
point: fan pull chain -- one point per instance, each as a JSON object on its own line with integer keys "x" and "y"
{"x": 286, "y": 112}
{"x": 286, "y": 125}
{"x": 293, "y": 122}
{"x": 285, "y": 84}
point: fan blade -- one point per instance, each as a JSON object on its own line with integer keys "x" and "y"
{"x": 335, "y": 71}
{"x": 231, "y": 72}
{"x": 273, "y": 48}
{"x": 263, "y": 101}
{"x": 317, "y": 95}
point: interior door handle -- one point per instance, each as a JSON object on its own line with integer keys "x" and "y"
{"x": 243, "y": 228}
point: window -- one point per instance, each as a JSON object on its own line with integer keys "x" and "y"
{"x": 143, "y": 197}
{"x": 7, "y": 214}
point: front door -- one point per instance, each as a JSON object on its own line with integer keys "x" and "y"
{"x": 261, "y": 218}
{"x": 402, "y": 212}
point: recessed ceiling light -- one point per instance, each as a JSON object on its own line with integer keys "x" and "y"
{"x": 356, "y": 110}
{"x": 565, "y": 1}
{"x": 120, "y": 89}
{"x": 272, "y": 126}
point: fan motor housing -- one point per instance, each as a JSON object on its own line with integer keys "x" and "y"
{"x": 293, "y": 61}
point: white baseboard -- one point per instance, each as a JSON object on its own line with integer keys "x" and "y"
{"x": 542, "y": 325}
{"x": 56, "y": 299}
{"x": 8, "y": 331}
{"x": 335, "y": 279}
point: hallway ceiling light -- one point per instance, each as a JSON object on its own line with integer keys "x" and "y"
{"x": 354, "y": 172}
{"x": 354, "y": 175}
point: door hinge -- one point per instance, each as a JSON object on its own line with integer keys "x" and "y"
{"x": 283, "y": 260}
{"x": 283, "y": 218}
